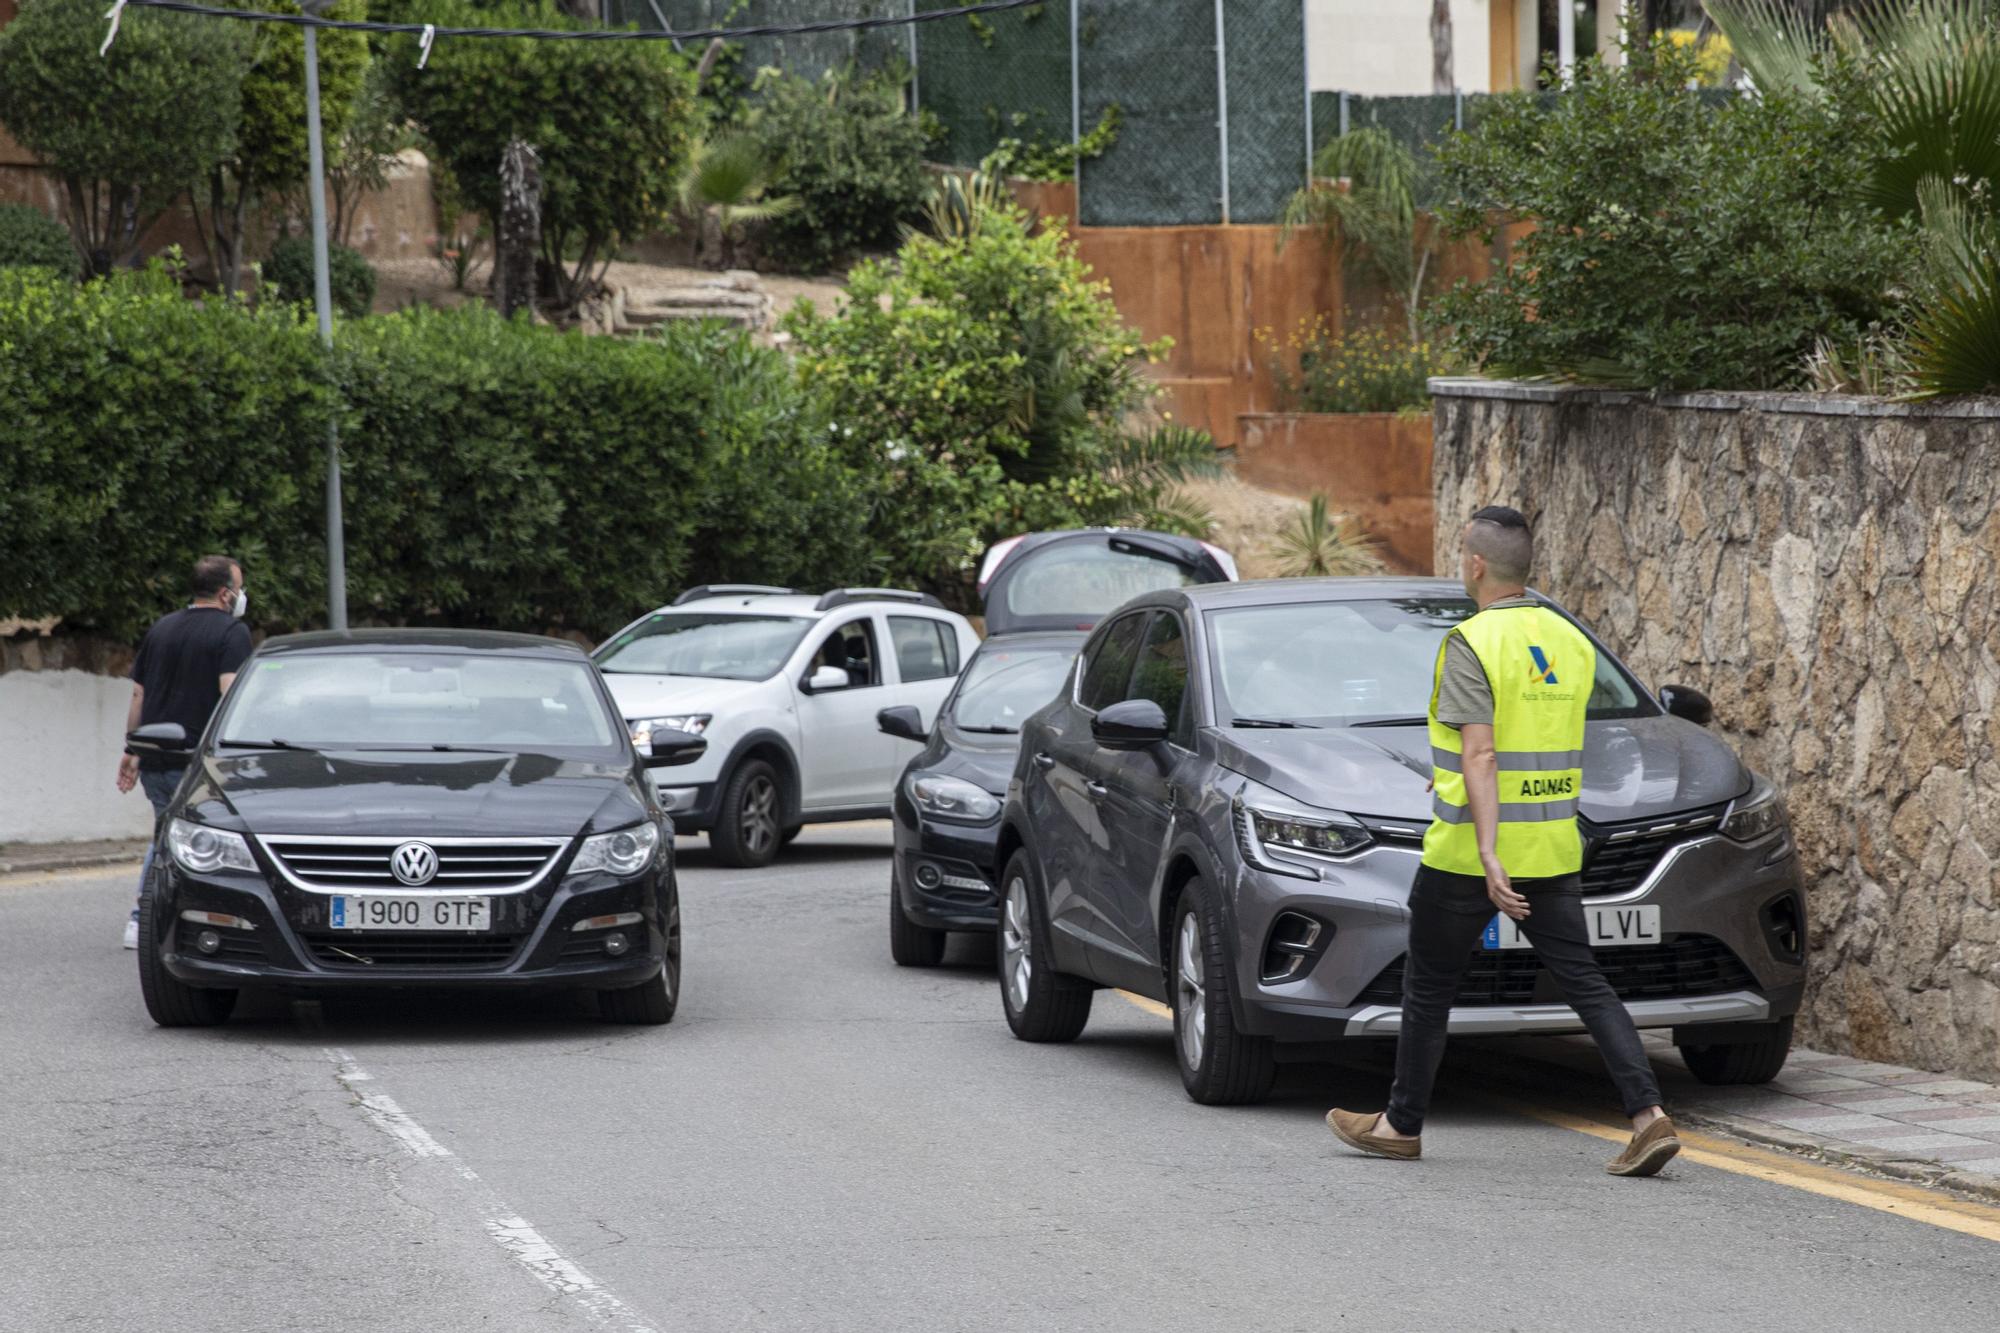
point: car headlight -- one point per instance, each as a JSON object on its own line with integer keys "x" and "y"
{"x": 694, "y": 724}
{"x": 625, "y": 852}
{"x": 953, "y": 798}
{"x": 202, "y": 849}
{"x": 1754, "y": 816}
{"x": 1283, "y": 836}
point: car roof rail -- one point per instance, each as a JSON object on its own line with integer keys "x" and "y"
{"x": 842, "y": 596}
{"x": 730, "y": 589}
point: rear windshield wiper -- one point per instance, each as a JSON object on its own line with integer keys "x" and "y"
{"x": 1394, "y": 722}
{"x": 266, "y": 745}
{"x": 1280, "y": 722}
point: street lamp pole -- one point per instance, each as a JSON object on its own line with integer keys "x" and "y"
{"x": 336, "y": 545}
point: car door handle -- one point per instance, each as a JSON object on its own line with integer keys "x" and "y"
{"x": 1045, "y": 760}
{"x": 1096, "y": 788}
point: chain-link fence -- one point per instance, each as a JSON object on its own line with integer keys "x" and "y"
{"x": 1214, "y": 118}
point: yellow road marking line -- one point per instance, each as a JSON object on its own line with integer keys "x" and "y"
{"x": 1885, "y": 1196}
{"x": 1894, "y": 1197}
{"x": 1153, "y": 1007}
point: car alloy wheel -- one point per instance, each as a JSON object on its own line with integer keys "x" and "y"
{"x": 1190, "y": 994}
{"x": 759, "y": 815}
{"x": 1017, "y": 960}
{"x": 1041, "y": 1003}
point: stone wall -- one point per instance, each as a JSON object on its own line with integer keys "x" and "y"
{"x": 1827, "y": 569}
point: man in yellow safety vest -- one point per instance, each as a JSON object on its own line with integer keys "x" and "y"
{"x": 1508, "y": 701}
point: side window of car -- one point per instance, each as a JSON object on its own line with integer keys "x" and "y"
{"x": 852, "y": 649}
{"x": 926, "y": 649}
{"x": 1107, "y": 664}
{"x": 1162, "y": 673}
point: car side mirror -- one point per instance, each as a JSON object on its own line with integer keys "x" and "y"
{"x": 670, "y": 749}
{"x": 903, "y": 721}
{"x": 1135, "y": 724}
{"x": 159, "y": 738}
{"x": 827, "y": 678}
{"x": 1684, "y": 701}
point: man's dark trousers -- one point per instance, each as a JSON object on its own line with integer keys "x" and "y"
{"x": 1448, "y": 913}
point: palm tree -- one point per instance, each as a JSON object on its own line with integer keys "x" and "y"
{"x": 1934, "y": 85}
{"x": 1319, "y": 543}
{"x": 723, "y": 188}
{"x": 1372, "y": 208}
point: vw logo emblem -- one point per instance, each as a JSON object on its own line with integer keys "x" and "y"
{"x": 414, "y": 863}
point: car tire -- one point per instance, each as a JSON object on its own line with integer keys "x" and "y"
{"x": 1755, "y": 1061}
{"x": 1041, "y": 1003}
{"x": 1219, "y": 1065}
{"x": 171, "y": 1003}
{"x": 651, "y": 1002}
{"x": 748, "y": 831}
{"x": 910, "y": 944}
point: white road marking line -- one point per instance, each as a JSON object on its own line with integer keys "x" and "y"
{"x": 508, "y": 1229}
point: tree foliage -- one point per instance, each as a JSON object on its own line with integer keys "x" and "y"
{"x": 29, "y": 238}
{"x": 126, "y": 131}
{"x": 612, "y": 121}
{"x": 991, "y": 382}
{"x": 1675, "y": 245}
{"x": 849, "y": 153}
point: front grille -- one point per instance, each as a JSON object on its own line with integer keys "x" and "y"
{"x": 1618, "y": 857}
{"x": 363, "y": 953}
{"x": 491, "y": 865}
{"x": 1683, "y": 965}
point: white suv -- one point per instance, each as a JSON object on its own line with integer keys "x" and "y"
{"x": 783, "y": 687}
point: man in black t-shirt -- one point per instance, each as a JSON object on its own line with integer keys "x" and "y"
{"x": 184, "y": 667}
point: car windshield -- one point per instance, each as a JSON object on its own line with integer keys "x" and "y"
{"x": 1334, "y": 664}
{"x": 697, "y": 643}
{"x": 399, "y": 700}
{"x": 1085, "y": 581}
{"x": 1004, "y": 685}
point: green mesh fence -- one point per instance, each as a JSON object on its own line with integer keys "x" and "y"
{"x": 1154, "y": 60}
{"x": 1008, "y": 75}
{"x": 807, "y": 54}
{"x": 988, "y": 77}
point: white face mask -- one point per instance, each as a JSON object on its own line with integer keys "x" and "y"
{"x": 242, "y": 604}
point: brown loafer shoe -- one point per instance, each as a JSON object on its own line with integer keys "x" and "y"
{"x": 1357, "y": 1130}
{"x": 1650, "y": 1149}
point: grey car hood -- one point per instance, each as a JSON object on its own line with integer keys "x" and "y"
{"x": 1635, "y": 768}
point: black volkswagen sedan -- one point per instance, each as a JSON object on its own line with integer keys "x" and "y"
{"x": 412, "y": 808}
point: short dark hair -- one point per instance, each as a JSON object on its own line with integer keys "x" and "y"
{"x": 212, "y": 574}
{"x": 1501, "y": 536}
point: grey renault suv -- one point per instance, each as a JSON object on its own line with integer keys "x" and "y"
{"x": 1224, "y": 807}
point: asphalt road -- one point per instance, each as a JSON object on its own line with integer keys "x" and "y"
{"x": 821, "y": 1140}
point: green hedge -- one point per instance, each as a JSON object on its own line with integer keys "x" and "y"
{"x": 30, "y": 238}
{"x": 496, "y": 474}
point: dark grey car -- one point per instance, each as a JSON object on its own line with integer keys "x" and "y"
{"x": 1224, "y": 808}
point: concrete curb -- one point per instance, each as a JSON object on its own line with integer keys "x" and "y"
{"x": 1875, "y": 1161}
{"x": 75, "y": 861}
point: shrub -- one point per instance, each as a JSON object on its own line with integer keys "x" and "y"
{"x": 498, "y": 474}
{"x": 989, "y": 380}
{"x": 1675, "y": 245}
{"x": 612, "y": 121}
{"x": 29, "y": 238}
{"x": 852, "y": 157}
{"x": 350, "y": 277}
{"x": 127, "y": 130}
{"x": 1368, "y": 370}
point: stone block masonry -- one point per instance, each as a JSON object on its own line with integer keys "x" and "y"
{"x": 1828, "y": 570}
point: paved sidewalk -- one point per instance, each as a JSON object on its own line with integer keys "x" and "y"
{"x": 26, "y": 858}
{"x": 1935, "y": 1129}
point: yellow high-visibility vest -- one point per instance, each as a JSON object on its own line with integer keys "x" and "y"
{"x": 1541, "y": 668}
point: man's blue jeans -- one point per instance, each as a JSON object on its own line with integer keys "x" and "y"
{"x": 159, "y": 784}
